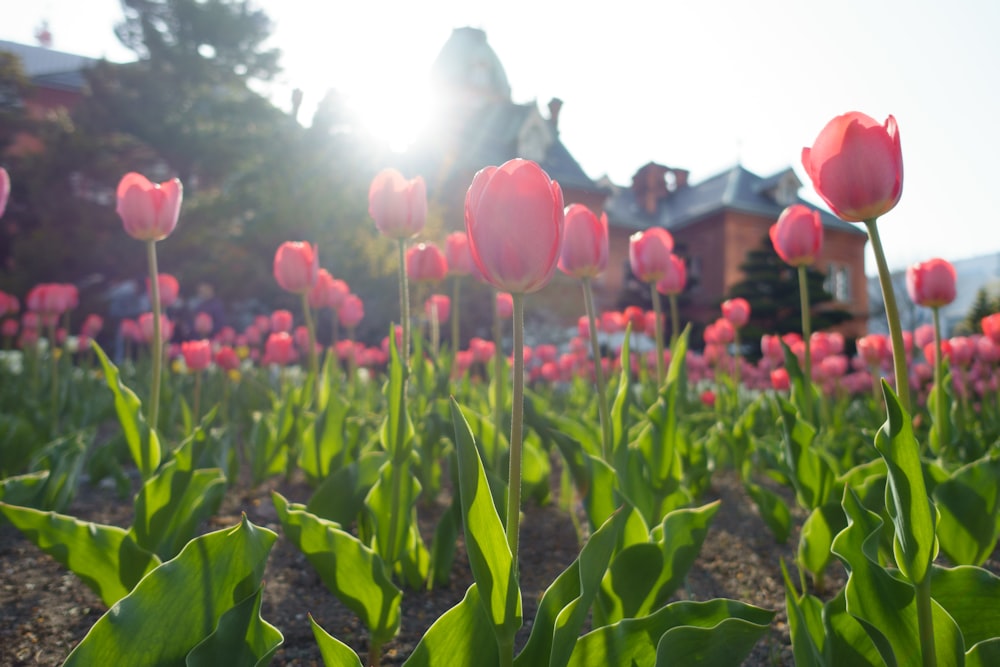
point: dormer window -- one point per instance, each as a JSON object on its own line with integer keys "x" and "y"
{"x": 534, "y": 139}
{"x": 787, "y": 189}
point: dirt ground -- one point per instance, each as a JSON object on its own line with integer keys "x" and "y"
{"x": 45, "y": 610}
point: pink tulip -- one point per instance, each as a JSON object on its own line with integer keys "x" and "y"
{"x": 9, "y": 305}
{"x": 148, "y": 211}
{"x": 8, "y": 329}
{"x": 227, "y": 359}
{"x": 736, "y": 311}
{"x": 398, "y": 206}
{"x": 169, "y": 289}
{"x": 351, "y": 312}
{"x": 856, "y": 166}
{"x": 675, "y": 279}
{"x": 438, "y": 306}
{"x": 262, "y": 323}
{"x": 923, "y": 334}
{"x": 636, "y": 316}
{"x": 4, "y": 190}
{"x": 457, "y": 254}
{"x": 797, "y": 236}
{"x": 585, "y": 242}
{"x": 649, "y": 252}
{"x": 874, "y": 349}
{"x": 931, "y": 283}
{"x": 203, "y": 324}
{"x": 425, "y": 263}
{"x": 296, "y": 266}
{"x": 514, "y": 219}
{"x": 780, "y": 380}
{"x": 328, "y": 292}
{"x": 281, "y": 321}
{"x": 482, "y": 350}
{"x": 197, "y": 354}
{"x": 770, "y": 347}
{"x": 145, "y": 323}
{"x": 279, "y": 349}
{"x": 611, "y": 322}
{"x": 92, "y": 325}
{"x": 991, "y": 327}
{"x": 505, "y": 305}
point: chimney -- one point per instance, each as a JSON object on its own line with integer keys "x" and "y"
{"x": 555, "y": 105}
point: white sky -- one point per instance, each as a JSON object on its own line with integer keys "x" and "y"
{"x": 698, "y": 85}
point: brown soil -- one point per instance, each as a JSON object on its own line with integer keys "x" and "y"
{"x": 45, "y": 610}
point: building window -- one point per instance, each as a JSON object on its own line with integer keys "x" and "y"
{"x": 838, "y": 282}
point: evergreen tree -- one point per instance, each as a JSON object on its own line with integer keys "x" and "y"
{"x": 772, "y": 288}
{"x": 981, "y": 307}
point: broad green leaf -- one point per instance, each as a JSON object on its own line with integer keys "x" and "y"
{"x": 443, "y": 545}
{"x": 635, "y": 641}
{"x": 805, "y": 624}
{"x": 565, "y": 603}
{"x": 912, "y": 512}
{"x": 600, "y": 501}
{"x": 397, "y": 429}
{"x": 816, "y": 538}
{"x": 143, "y": 442}
{"x": 334, "y": 652}
{"x": 535, "y": 471}
{"x": 327, "y": 442}
{"x": 813, "y": 474}
{"x": 984, "y": 654}
{"x": 23, "y": 490}
{"x": 885, "y": 602}
{"x": 969, "y": 506}
{"x": 971, "y": 596}
{"x": 848, "y": 642}
{"x": 485, "y": 539}
{"x": 620, "y": 420}
{"x": 462, "y": 636}
{"x": 415, "y": 560}
{"x": 180, "y": 603}
{"x": 728, "y": 643}
{"x": 773, "y": 510}
{"x": 104, "y": 557}
{"x": 389, "y": 504}
{"x": 241, "y": 638}
{"x": 352, "y": 571}
{"x": 342, "y": 495}
{"x": 172, "y": 504}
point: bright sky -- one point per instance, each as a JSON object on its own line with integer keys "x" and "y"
{"x": 696, "y": 85}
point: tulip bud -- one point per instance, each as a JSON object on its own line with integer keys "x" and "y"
{"x": 649, "y": 253}
{"x": 931, "y": 283}
{"x": 296, "y": 266}
{"x": 398, "y": 206}
{"x": 148, "y": 211}
{"x": 585, "y": 242}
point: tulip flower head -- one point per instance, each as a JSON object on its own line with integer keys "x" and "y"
{"x": 4, "y": 190}
{"x": 932, "y": 283}
{"x": 674, "y": 280}
{"x": 649, "y": 253}
{"x": 203, "y": 324}
{"x": 148, "y": 211}
{"x": 797, "y": 236}
{"x": 736, "y": 311}
{"x": 328, "y": 292}
{"x": 514, "y": 219}
{"x": 425, "y": 263}
{"x": 197, "y": 354}
{"x": 856, "y": 166}
{"x": 585, "y": 242}
{"x": 991, "y": 327}
{"x": 505, "y": 305}
{"x": 296, "y": 266}
{"x": 438, "y": 306}
{"x": 457, "y": 255}
{"x": 351, "y": 312}
{"x": 281, "y": 321}
{"x": 169, "y": 289}
{"x": 398, "y": 206}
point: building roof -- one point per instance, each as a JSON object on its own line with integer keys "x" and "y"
{"x": 49, "y": 68}
{"x": 736, "y": 189}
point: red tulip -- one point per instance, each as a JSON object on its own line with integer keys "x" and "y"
{"x": 425, "y": 263}
{"x": 92, "y": 326}
{"x": 328, "y": 292}
{"x": 169, "y": 289}
{"x": 585, "y": 242}
{"x": 438, "y": 306}
{"x": 649, "y": 252}
{"x": 514, "y": 219}
{"x": 8, "y": 329}
{"x": 991, "y": 327}
{"x": 780, "y": 380}
{"x": 770, "y": 347}
{"x": 797, "y": 236}
{"x": 351, "y": 312}
{"x": 736, "y": 311}
{"x": 636, "y": 316}
{"x": 197, "y": 354}
{"x": 708, "y": 398}
{"x": 874, "y": 349}
{"x": 4, "y": 190}
{"x": 296, "y": 266}
{"x": 931, "y": 283}
{"x": 203, "y": 324}
{"x": 227, "y": 359}
{"x": 279, "y": 349}
{"x": 52, "y": 299}
{"x": 148, "y": 211}
{"x": 281, "y": 321}
{"x": 611, "y": 322}
{"x": 145, "y": 323}
{"x": 505, "y": 305}
{"x": 482, "y": 350}
{"x": 457, "y": 254}
{"x": 9, "y": 305}
{"x": 398, "y": 206}
{"x": 856, "y": 166}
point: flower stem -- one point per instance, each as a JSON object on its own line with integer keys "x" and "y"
{"x": 940, "y": 407}
{"x": 404, "y": 305}
{"x": 658, "y": 309}
{"x": 925, "y": 621}
{"x": 675, "y": 320}
{"x": 313, "y": 359}
{"x": 499, "y": 400}
{"x": 602, "y": 399}
{"x": 156, "y": 347}
{"x": 892, "y": 316}
{"x": 456, "y": 290}
{"x": 517, "y": 413}
{"x": 806, "y": 336}
{"x": 197, "y": 397}
{"x": 54, "y": 367}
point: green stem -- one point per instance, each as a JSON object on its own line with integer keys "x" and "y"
{"x": 313, "y": 359}
{"x": 506, "y": 653}
{"x": 517, "y": 413}
{"x": 404, "y": 305}
{"x": 499, "y": 399}
{"x": 54, "y": 367}
{"x": 925, "y": 622}
{"x": 435, "y": 330}
{"x": 736, "y": 363}
{"x": 806, "y": 336}
{"x": 658, "y": 309}
{"x": 595, "y": 348}
{"x": 675, "y": 320}
{"x": 892, "y": 316}
{"x": 940, "y": 408}
{"x": 197, "y": 397}
{"x": 456, "y": 290}
{"x": 156, "y": 348}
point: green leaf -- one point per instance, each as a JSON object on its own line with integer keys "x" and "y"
{"x": 816, "y": 537}
{"x": 334, "y": 652}
{"x": 565, "y": 603}
{"x": 180, "y": 603}
{"x": 971, "y": 596}
{"x": 104, "y": 557}
{"x": 327, "y": 443}
{"x": 349, "y": 569}
{"x": 813, "y": 474}
{"x": 912, "y": 512}
{"x": 773, "y": 510}
{"x": 620, "y": 420}
{"x": 485, "y": 539}
{"x": 397, "y": 429}
{"x": 635, "y": 641}
{"x": 142, "y": 441}
{"x": 969, "y": 506}
{"x": 984, "y": 654}
{"x": 389, "y": 503}
{"x": 805, "y": 624}
{"x": 727, "y": 643}
{"x": 342, "y": 495}
{"x": 241, "y": 638}
{"x": 174, "y": 502}
{"x": 848, "y": 642}
{"x": 464, "y": 635}
{"x": 443, "y": 545}
{"x": 23, "y": 490}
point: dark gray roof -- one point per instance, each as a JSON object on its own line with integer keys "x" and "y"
{"x": 49, "y": 68}
{"x": 736, "y": 189}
